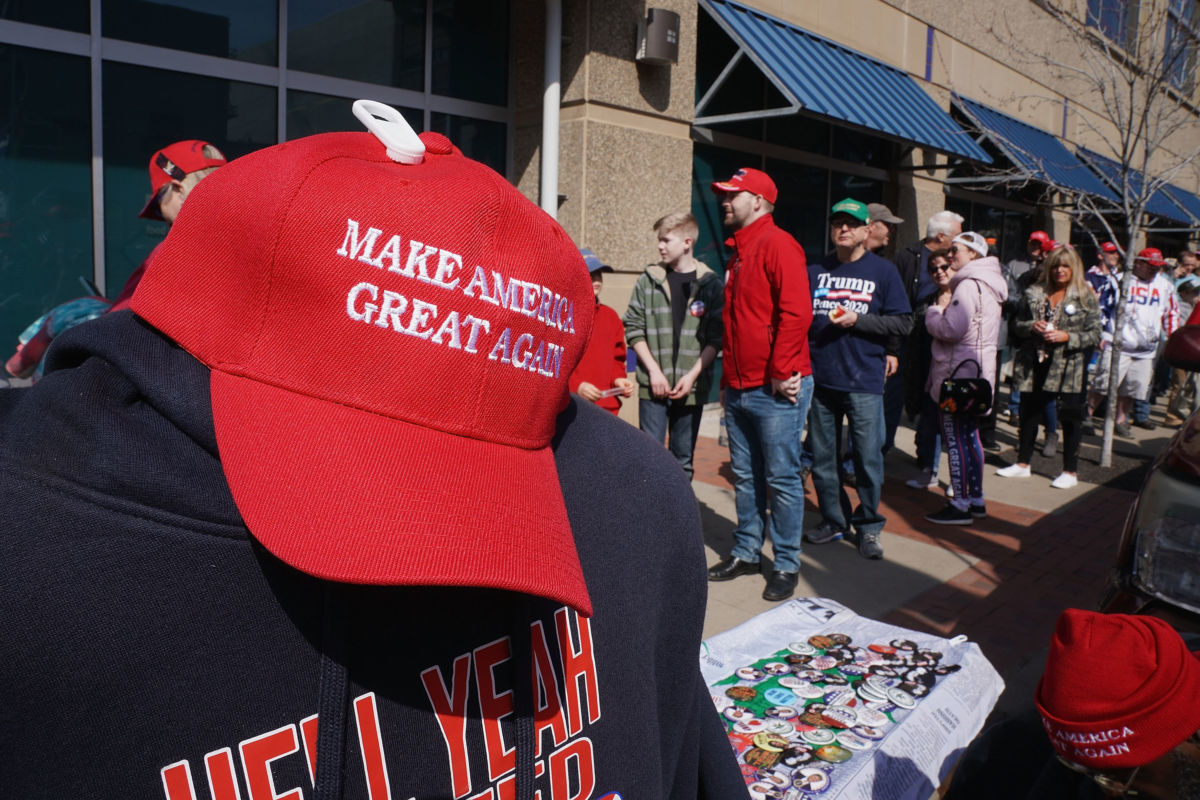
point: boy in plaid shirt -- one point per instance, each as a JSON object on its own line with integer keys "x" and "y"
{"x": 674, "y": 325}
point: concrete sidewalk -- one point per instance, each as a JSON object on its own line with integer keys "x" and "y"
{"x": 1001, "y": 582}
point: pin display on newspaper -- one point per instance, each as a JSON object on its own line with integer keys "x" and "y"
{"x": 820, "y": 702}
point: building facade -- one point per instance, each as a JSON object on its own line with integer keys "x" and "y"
{"x": 921, "y": 104}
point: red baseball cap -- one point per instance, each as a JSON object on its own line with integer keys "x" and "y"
{"x": 1040, "y": 236}
{"x": 748, "y": 179}
{"x": 1118, "y": 690}
{"x": 173, "y": 163}
{"x": 1109, "y": 247}
{"x": 389, "y": 347}
{"x": 1152, "y": 255}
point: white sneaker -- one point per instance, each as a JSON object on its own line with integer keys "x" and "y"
{"x": 949, "y": 491}
{"x": 1014, "y": 471}
{"x": 1064, "y": 481}
{"x": 926, "y": 480}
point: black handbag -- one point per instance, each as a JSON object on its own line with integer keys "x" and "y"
{"x": 966, "y": 396}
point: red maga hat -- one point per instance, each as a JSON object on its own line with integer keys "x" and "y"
{"x": 1119, "y": 690}
{"x": 1109, "y": 247}
{"x": 173, "y": 163}
{"x": 1040, "y": 236}
{"x": 748, "y": 179}
{"x": 389, "y": 346}
{"x": 1152, "y": 255}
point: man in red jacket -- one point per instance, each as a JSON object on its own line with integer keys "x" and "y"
{"x": 767, "y": 378}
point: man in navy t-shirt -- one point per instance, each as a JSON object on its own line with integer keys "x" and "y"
{"x": 858, "y": 302}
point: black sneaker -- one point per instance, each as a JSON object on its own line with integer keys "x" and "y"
{"x": 951, "y": 516}
{"x": 1146, "y": 424}
{"x": 978, "y": 510}
{"x": 869, "y": 546}
{"x": 1124, "y": 430}
{"x": 824, "y": 534}
{"x": 992, "y": 446}
{"x": 848, "y": 478}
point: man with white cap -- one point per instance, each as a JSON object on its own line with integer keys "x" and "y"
{"x": 320, "y": 519}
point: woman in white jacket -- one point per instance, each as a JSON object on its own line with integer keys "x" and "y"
{"x": 965, "y": 328}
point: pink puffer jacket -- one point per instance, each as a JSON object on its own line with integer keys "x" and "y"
{"x": 969, "y": 327}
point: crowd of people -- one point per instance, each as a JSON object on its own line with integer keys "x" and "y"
{"x": 226, "y": 500}
{"x": 819, "y": 361}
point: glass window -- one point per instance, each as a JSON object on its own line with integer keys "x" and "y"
{"x": 480, "y": 139}
{"x": 862, "y": 148}
{"x": 45, "y": 185}
{"x": 71, "y": 15}
{"x": 803, "y": 206}
{"x": 309, "y": 113}
{"x": 712, "y": 164}
{"x": 744, "y": 89}
{"x": 241, "y": 29}
{"x": 1116, "y": 19}
{"x": 470, "y": 50}
{"x": 375, "y": 41}
{"x": 1183, "y": 36}
{"x": 142, "y": 114}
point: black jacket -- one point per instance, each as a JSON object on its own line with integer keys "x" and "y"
{"x": 908, "y": 262}
{"x": 152, "y": 646}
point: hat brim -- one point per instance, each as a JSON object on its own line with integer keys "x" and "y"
{"x": 381, "y": 501}
{"x": 152, "y": 208}
{"x": 720, "y": 187}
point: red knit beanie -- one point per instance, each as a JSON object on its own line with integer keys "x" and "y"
{"x": 1119, "y": 690}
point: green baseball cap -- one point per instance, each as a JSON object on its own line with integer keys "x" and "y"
{"x": 852, "y": 208}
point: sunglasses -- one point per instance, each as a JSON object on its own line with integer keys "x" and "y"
{"x": 934, "y": 269}
{"x": 1110, "y": 785}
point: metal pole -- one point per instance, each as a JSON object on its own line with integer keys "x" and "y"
{"x": 551, "y": 98}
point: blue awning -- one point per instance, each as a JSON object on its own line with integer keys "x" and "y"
{"x": 1188, "y": 201}
{"x": 1039, "y": 154}
{"x": 822, "y": 77}
{"x": 1160, "y": 203}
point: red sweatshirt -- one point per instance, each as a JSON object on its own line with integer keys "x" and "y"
{"x": 768, "y": 307}
{"x": 604, "y": 357}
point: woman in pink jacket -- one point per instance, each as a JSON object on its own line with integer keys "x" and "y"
{"x": 965, "y": 327}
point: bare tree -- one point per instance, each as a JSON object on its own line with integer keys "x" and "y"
{"x": 1128, "y": 75}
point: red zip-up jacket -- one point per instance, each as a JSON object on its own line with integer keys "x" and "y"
{"x": 768, "y": 307}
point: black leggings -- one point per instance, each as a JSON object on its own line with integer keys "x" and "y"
{"x": 1070, "y": 416}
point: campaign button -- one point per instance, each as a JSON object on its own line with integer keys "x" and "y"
{"x": 869, "y": 731}
{"x": 821, "y": 642}
{"x": 801, "y": 648}
{"x": 882, "y": 649}
{"x": 810, "y": 780}
{"x": 901, "y": 698}
{"x": 781, "y": 713}
{"x": 742, "y": 693}
{"x": 840, "y": 716}
{"x": 821, "y": 736}
{"x": 871, "y": 718}
{"x": 771, "y": 742}
{"x": 824, "y": 662}
{"x": 853, "y": 741}
{"x": 752, "y": 725}
{"x": 750, "y": 674}
{"x": 776, "y": 668}
{"x": 780, "y": 727}
{"x": 737, "y": 713}
{"x": 779, "y": 697}
{"x": 833, "y": 753}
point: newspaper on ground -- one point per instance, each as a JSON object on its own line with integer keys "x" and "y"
{"x": 819, "y": 702}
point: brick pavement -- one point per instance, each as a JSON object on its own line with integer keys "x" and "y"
{"x": 1031, "y": 565}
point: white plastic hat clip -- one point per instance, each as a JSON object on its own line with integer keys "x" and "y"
{"x": 390, "y": 127}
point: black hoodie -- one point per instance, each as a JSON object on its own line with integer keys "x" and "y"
{"x": 152, "y": 648}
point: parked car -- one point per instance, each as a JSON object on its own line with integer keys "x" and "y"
{"x": 1158, "y": 566}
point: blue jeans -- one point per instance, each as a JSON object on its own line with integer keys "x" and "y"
{"x": 676, "y": 423}
{"x": 1141, "y": 410}
{"x": 764, "y": 452}
{"x": 865, "y": 413}
{"x": 929, "y": 435}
